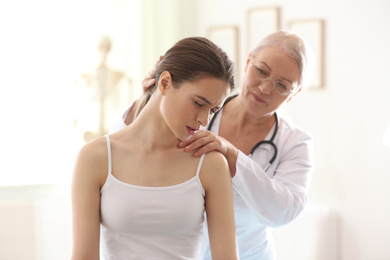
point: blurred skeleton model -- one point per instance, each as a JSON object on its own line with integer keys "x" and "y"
{"x": 102, "y": 93}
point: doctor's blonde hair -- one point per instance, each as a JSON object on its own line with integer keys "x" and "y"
{"x": 297, "y": 48}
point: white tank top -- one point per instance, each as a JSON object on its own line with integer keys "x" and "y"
{"x": 139, "y": 222}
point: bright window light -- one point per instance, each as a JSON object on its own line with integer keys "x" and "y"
{"x": 43, "y": 49}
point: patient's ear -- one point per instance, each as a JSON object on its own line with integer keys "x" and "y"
{"x": 164, "y": 82}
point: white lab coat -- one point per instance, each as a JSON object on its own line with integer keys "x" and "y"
{"x": 263, "y": 200}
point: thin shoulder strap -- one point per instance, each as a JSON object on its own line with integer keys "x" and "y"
{"x": 109, "y": 153}
{"x": 200, "y": 164}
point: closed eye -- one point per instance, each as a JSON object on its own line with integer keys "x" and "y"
{"x": 213, "y": 110}
{"x": 281, "y": 85}
{"x": 198, "y": 104}
{"x": 261, "y": 72}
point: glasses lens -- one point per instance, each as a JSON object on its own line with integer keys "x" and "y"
{"x": 283, "y": 88}
{"x": 258, "y": 73}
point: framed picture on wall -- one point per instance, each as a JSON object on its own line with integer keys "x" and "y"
{"x": 261, "y": 22}
{"x": 226, "y": 37}
{"x": 312, "y": 30}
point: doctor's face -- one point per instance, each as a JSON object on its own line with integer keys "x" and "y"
{"x": 266, "y": 75}
{"x": 190, "y": 106}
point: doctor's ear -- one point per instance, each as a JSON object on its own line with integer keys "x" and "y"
{"x": 248, "y": 61}
{"x": 164, "y": 82}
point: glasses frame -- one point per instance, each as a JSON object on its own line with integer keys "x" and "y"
{"x": 291, "y": 91}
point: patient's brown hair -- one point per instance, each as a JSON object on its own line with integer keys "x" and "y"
{"x": 191, "y": 59}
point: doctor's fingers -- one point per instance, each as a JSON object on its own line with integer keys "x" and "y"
{"x": 149, "y": 81}
{"x": 213, "y": 146}
{"x": 199, "y": 139}
{"x": 203, "y": 143}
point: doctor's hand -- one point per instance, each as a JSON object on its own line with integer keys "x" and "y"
{"x": 149, "y": 81}
{"x": 204, "y": 141}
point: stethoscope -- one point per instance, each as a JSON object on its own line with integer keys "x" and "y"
{"x": 270, "y": 141}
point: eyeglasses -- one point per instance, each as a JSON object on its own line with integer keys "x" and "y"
{"x": 283, "y": 88}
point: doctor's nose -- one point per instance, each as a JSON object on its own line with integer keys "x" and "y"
{"x": 266, "y": 86}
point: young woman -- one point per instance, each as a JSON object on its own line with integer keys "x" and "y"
{"x": 141, "y": 197}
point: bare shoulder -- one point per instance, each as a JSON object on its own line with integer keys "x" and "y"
{"x": 94, "y": 150}
{"x": 215, "y": 168}
{"x": 214, "y": 160}
{"x": 92, "y": 161}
